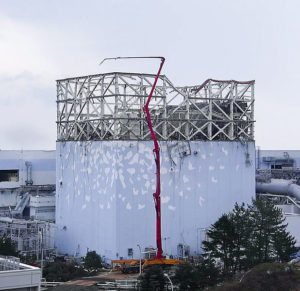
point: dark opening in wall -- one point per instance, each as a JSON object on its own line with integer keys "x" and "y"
{"x": 9, "y": 175}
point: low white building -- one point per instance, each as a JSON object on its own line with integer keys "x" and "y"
{"x": 42, "y": 207}
{"x": 17, "y": 276}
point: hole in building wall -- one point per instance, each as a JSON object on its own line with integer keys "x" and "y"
{"x": 9, "y": 175}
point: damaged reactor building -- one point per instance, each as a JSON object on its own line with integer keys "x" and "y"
{"x": 106, "y": 168}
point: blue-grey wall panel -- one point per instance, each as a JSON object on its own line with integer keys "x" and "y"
{"x": 104, "y": 193}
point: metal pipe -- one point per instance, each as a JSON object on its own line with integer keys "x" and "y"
{"x": 279, "y": 186}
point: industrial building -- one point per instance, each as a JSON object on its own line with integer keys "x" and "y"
{"x": 27, "y": 184}
{"x": 17, "y": 276}
{"x": 106, "y": 169}
{"x": 277, "y": 159}
{"x": 27, "y": 200}
{"x": 278, "y": 177}
{"x": 33, "y": 238}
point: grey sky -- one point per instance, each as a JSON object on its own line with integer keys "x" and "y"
{"x": 41, "y": 41}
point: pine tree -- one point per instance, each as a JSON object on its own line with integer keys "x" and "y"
{"x": 249, "y": 236}
{"x": 152, "y": 279}
{"x": 220, "y": 244}
{"x": 92, "y": 260}
{"x": 284, "y": 245}
{"x": 242, "y": 231}
{"x": 268, "y": 234}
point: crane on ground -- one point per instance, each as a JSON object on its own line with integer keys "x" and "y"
{"x": 158, "y": 259}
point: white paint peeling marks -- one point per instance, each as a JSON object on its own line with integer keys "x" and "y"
{"x": 180, "y": 193}
{"x": 104, "y": 159}
{"x": 135, "y": 191}
{"x": 214, "y": 180}
{"x": 211, "y": 168}
{"x": 128, "y": 156}
{"x": 201, "y": 200}
{"x": 76, "y": 179}
{"x": 120, "y": 196}
{"x": 89, "y": 170}
{"x": 189, "y": 188}
{"x": 203, "y": 156}
{"x": 222, "y": 167}
{"x": 131, "y": 171}
{"x": 165, "y": 199}
{"x": 190, "y": 167}
{"x": 145, "y": 176}
{"x": 199, "y": 185}
{"x": 87, "y": 198}
{"x": 172, "y": 208}
{"x": 185, "y": 179}
{"x": 83, "y": 206}
{"x": 163, "y": 171}
{"x": 122, "y": 178}
{"x": 123, "y": 198}
{"x": 225, "y": 151}
{"x": 128, "y": 206}
{"x": 143, "y": 163}
{"x": 134, "y": 160}
{"x": 144, "y": 192}
{"x": 141, "y": 206}
{"x": 237, "y": 167}
{"x": 108, "y": 205}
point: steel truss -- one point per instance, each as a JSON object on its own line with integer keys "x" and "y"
{"x": 109, "y": 107}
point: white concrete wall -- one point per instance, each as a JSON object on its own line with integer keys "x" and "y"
{"x": 104, "y": 193}
{"x": 293, "y": 227}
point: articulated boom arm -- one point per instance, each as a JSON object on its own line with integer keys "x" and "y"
{"x": 156, "y": 195}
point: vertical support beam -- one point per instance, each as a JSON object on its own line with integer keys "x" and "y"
{"x": 76, "y": 101}
{"x": 58, "y": 113}
{"x": 142, "y": 92}
{"x": 252, "y": 111}
{"x": 209, "y": 111}
{"x": 231, "y": 126}
{"x": 87, "y": 100}
{"x": 164, "y": 128}
{"x": 116, "y": 109}
{"x": 102, "y": 109}
{"x": 187, "y": 116}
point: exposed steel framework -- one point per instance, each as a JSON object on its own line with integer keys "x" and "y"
{"x": 109, "y": 107}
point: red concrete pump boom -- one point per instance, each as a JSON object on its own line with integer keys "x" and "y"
{"x": 156, "y": 195}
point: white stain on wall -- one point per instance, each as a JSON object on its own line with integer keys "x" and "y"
{"x": 141, "y": 206}
{"x": 185, "y": 179}
{"x": 214, "y": 180}
{"x": 165, "y": 199}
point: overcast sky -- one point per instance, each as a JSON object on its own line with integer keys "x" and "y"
{"x": 41, "y": 41}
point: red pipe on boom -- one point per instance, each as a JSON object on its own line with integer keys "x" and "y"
{"x": 156, "y": 195}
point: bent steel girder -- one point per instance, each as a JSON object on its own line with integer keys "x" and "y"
{"x": 109, "y": 107}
